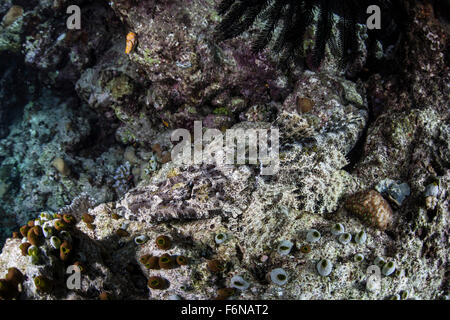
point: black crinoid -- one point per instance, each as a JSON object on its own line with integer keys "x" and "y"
{"x": 285, "y": 24}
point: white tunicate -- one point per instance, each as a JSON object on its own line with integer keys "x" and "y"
{"x": 324, "y": 267}
{"x": 33, "y": 259}
{"x": 239, "y": 283}
{"x": 141, "y": 239}
{"x": 432, "y": 190}
{"x": 45, "y": 216}
{"x": 55, "y": 242}
{"x": 361, "y": 237}
{"x": 345, "y": 238}
{"x": 285, "y": 247}
{"x": 220, "y": 238}
{"x": 279, "y": 276}
{"x": 313, "y": 235}
{"x": 388, "y": 268}
{"x": 175, "y": 297}
{"x": 337, "y": 229}
{"x": 47, "y": 230}
{"x": 359, "y": 257}
{"x": 65, "y": 235}
{"x": 379, "y": 261}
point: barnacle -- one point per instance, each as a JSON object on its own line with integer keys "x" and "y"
{"x": 337, "y": 229}
{"x": 371, "y": 207}
{"x": 239, "y": 283}
{"x": 220, "y": 238}
{"x": 182, "y": 260}
{"x": 324, "y": 267}
{"x": 279, "y": 276}
{"x": 163, "y": 242}
{"x": 165, "y": 261}
{"x": 313, "y": 235}
{"x": 156, "y": 283}
{"x": 388, "y": 268}
{"x": 216, "y": 266}
{"x": 285, "y": 247}
{"x": 42, "y": 284}
{"x": 345, "y": 238}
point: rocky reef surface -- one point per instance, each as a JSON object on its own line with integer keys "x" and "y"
{"x": 86, "y": 174}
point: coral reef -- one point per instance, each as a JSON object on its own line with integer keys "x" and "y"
{"x": 87, "y": 180}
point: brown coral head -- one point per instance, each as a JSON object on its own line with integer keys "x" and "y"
{"x": 371, "y": 208}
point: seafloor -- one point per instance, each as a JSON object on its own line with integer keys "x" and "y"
{"x": 85, "y": 135}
